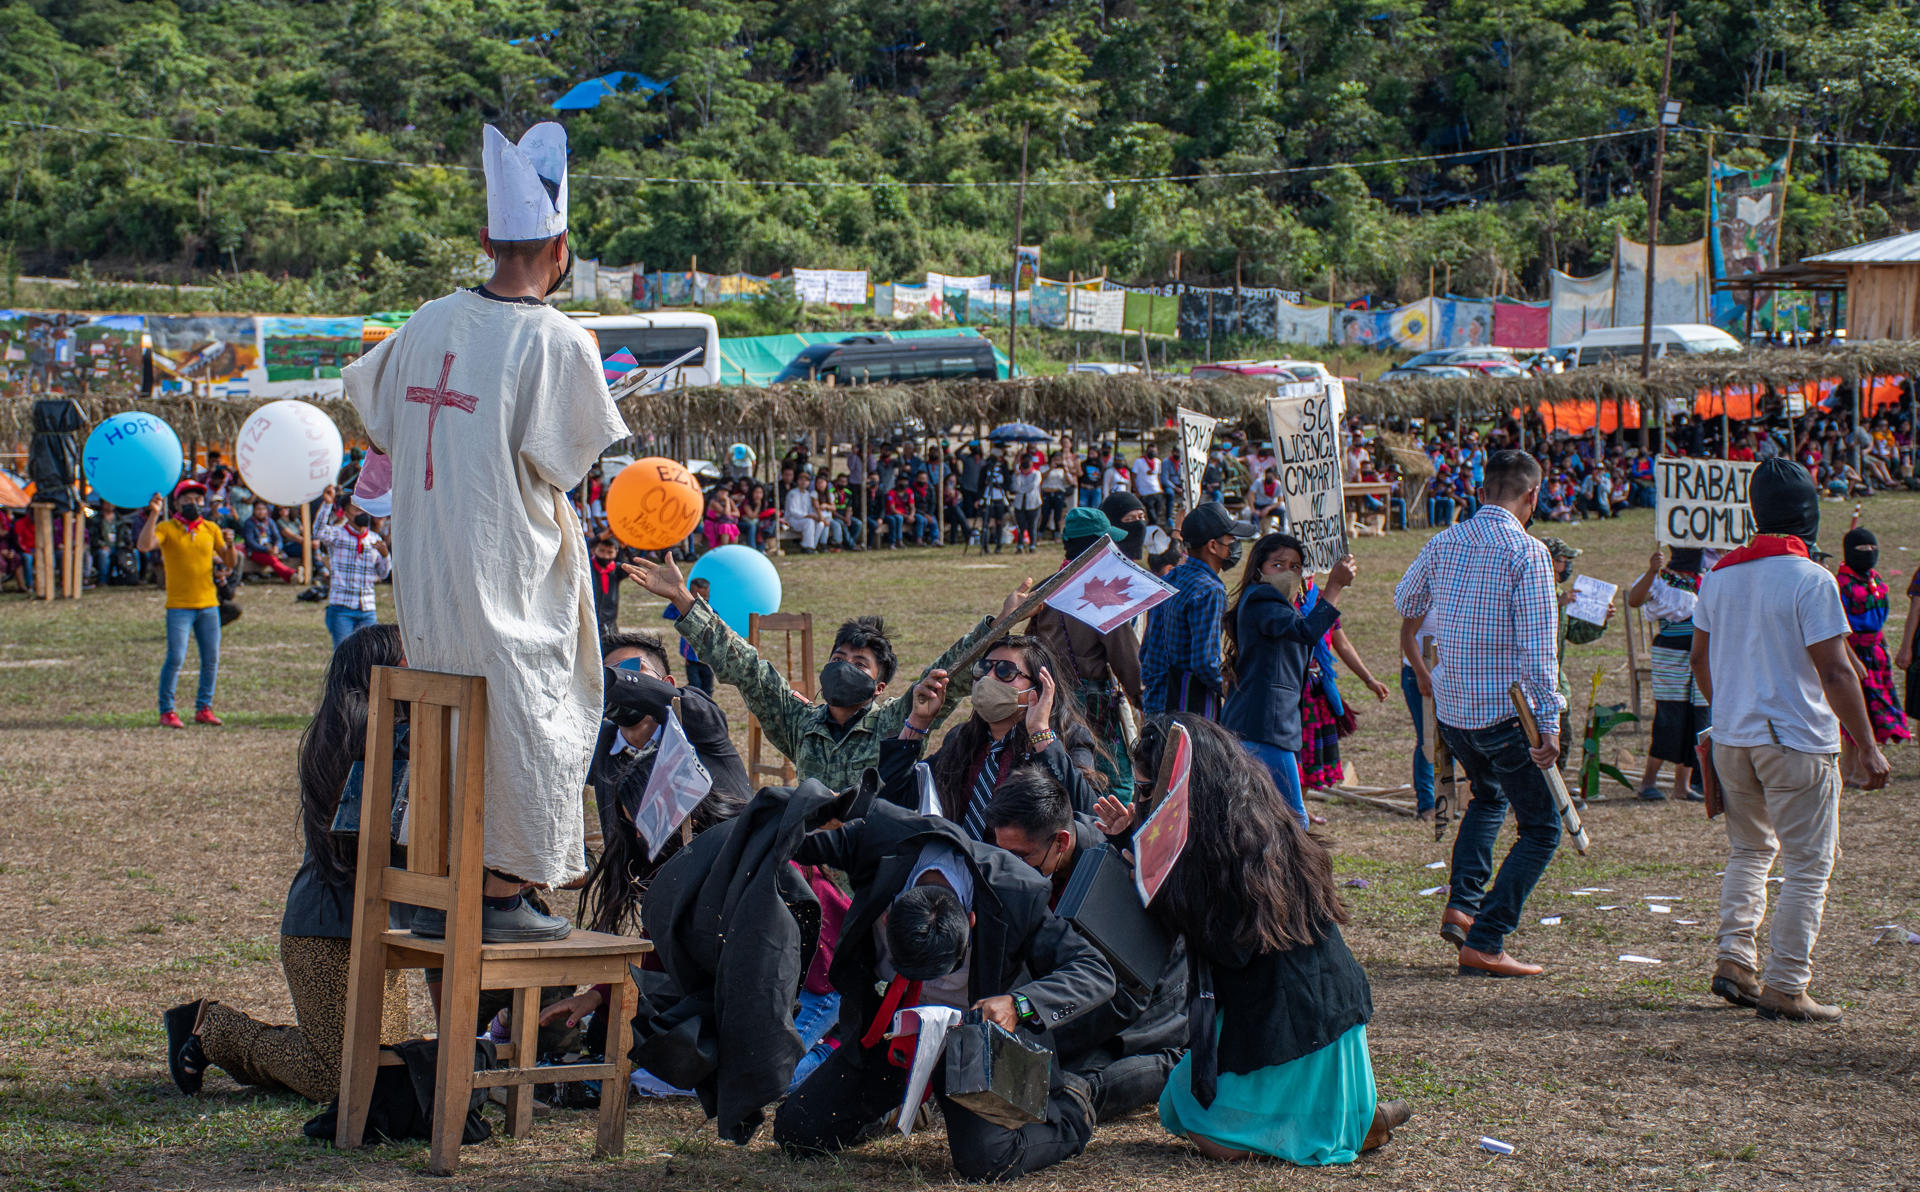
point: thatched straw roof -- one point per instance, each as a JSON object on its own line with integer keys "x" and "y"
{"x": 1066, "y": 402}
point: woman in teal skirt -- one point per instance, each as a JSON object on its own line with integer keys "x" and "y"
{"x": 1278, "y": 1063}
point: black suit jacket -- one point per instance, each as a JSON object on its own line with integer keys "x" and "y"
{"x": 1063, "y": 758}
{"x": 1018, "y": 945}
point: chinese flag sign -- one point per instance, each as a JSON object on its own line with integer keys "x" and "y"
{"x": 1158, "y": 843}
{"x": 1108, "y": 589}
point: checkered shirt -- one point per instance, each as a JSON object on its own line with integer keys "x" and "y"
{"x": 1490, "y": 584}
{"x": 1183, "y": 634}
{"x": 353, "y": 565}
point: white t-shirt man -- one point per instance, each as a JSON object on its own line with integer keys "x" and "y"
{"x": 1146, "y": 476}
{"x": 1761, "y": 618}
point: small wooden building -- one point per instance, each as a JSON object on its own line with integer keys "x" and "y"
{"x": 1883, "y": 286}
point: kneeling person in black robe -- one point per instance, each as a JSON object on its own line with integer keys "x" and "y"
{"x": 965, "y": 925}
{"x": 1126, "y": 1047}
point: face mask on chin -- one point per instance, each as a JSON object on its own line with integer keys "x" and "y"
{"x": 844, "y": 685}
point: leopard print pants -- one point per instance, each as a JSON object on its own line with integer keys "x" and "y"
{"x": 304, "y": 1058}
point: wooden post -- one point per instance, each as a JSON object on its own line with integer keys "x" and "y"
{"x": 43, "y": 550}
{"x": 1013, "y": 290}
{"x": 74, "y": 572}
{"x": 1653, "y": 201}
{"x": 306, "y": 543}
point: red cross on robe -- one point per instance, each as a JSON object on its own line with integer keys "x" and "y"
{"x": 435, "y": 399}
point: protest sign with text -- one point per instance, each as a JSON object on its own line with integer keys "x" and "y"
{"x": 1196, "y": 438}
{"x": 1304, "y": 421}
{"x": 1702, "y": 502}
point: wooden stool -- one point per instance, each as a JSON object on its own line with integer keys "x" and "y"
{"x": 445, "y": 869}
{"x": 789, "y": 624}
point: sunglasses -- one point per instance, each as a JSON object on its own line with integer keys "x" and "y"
{"x": 1002, "y": 669}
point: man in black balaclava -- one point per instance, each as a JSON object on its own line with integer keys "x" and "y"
{"x": 1125, "y": 511}
{"x": 1770, "y": 654}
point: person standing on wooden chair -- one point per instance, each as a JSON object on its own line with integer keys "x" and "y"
{"x": 490, "y": 573}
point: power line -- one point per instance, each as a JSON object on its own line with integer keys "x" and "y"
{"x": 1277, "y": 172}
{"x": 1815, "y": 141}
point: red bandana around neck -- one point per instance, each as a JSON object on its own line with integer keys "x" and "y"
{"x": 1764, "y": 546}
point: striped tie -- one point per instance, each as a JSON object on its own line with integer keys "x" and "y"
{"x": 976, "y": 818}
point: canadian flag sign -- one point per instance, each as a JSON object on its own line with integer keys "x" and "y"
{"x": 1158, "y": 843}
{"x": 1109, "y": 590}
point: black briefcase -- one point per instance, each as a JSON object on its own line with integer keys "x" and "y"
{"x": 1101, "y": 902}
{"x": 997, "y": 1074}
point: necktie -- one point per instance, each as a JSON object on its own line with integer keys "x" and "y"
{"x": 983, "y": 784}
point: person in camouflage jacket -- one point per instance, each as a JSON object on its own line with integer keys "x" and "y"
{"x": 836, "y": 738}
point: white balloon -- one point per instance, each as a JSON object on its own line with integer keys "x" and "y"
{"x": 288, "y": 452}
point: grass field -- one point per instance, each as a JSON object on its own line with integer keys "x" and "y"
{"x": 140, "y": 868}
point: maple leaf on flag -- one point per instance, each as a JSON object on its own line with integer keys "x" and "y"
{"x": 1106, "y": 593}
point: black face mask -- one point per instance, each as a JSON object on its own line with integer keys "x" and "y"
{"x": 190, "y": 511}
{"x": 1233, "y": 556}
{"x": 565, "y": 275}
{"x": 844, "y": 685}
{"x": 1134, "y": 545}
{"x": 363, "y": 520}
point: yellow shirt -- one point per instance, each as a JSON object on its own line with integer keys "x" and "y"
{"x": 188, "y": 555}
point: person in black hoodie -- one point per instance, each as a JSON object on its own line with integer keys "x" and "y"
{"x": 943, "y": 919}
{"x": 606, "y": 584}
{"x": 1277, "y": 1062}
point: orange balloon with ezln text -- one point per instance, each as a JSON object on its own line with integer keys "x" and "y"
{"x": 654, "y": 503}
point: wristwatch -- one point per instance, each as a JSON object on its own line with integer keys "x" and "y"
{"x": 1024, "y": 1011}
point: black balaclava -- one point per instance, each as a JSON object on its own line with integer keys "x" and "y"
{"x": 1861, "y": 551}
{"x": 1785, "y": 500}
{"x": 1686, "y": 560}
{"x": 1118, "y": 505}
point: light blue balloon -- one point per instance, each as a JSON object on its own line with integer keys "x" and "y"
{"x": 129, "y": 457}
{"x": 743, "y": 582}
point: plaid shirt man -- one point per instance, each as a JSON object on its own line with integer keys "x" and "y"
{"x": 354, "y": 565}
{"x": 1183, "y": 634}
{"x": 804, "y": 732}
{"x": 1491, "y": 584}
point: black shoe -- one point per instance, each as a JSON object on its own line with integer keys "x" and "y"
{"x": 520, "y": 923}
{"x": 186, "y": 1061}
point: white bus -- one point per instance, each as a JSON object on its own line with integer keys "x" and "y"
{"x": 656, "y": 341}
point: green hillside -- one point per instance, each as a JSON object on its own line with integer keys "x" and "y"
{"x": 882, "y": 95}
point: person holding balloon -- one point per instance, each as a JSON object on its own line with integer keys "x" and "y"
{"x": 188, "y": 543}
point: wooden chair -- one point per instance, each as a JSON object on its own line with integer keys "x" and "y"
{"x": 1638, "y": 663}
{"x": 789, "y": 624}
{"x": 445, "y": 869}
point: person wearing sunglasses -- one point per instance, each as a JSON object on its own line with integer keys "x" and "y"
{"x": 1018, "y": 717}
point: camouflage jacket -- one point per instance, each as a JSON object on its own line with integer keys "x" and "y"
{"x": 802, "y": 731}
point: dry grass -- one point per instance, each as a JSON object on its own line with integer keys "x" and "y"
{"x": 142, "y": 868}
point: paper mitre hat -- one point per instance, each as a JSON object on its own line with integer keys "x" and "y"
{"x": 526, "y": 183}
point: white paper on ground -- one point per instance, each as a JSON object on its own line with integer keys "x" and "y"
{"x": 1688, "y": 922}
{"x": 1660, "y": 908}
{"x": 932, "y": 1023}
{"x": 1630, "y": 958}
{"x": 1660, "y": 897}
{"x": 1437, "y": 865}
{"x": 1609, "y": 908}
{"x": 1430, "y": 891}
{"x": 1550, "y": 921}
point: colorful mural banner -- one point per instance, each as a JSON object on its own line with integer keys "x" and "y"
{"x": 68, "y": 354}
{"x": 308, "y": 349}
{"x": 213, "y": 350}
{"x": 1744, "y": 212}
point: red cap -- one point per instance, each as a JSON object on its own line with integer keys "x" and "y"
{"x": 189, "y": 486}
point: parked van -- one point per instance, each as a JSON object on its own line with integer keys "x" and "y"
{"x": 877, "y": 360}
{"x": 657, "y": 340}
{"x": 1609, "y": 345}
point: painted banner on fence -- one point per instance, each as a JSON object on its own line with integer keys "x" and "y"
{"x": 1097, "y": 311}
{"x": 68, "y": 354}
{"x": 841, "y": 287}
{"x": 1681, "y": 286}
{"x": 1521, "y": 324}
{"x": 1309, "y": 326}
{"x": 1579, "y": 305}
{"x": 1702, "y": 502}
{"x": 1304, "y": 420}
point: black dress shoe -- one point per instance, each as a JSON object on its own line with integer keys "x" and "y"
{"x": 186, "y": 1062}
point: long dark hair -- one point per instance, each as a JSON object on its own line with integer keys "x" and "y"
{"x": 1265, "y": 549}
{"x": 620, "y": 876}
{"x": 336, "y": 738}
{"x": 953, "y": 765}
{"x": 1250, "y": 879}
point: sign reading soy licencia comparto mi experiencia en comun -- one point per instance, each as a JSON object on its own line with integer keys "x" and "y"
{"x": 1304, "y": 420}
{"x": 1702, "y": 502}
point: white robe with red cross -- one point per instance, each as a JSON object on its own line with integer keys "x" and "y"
{"x": 491, "y": 411}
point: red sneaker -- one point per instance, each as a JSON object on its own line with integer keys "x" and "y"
{"x": 205, "y": 716}
{"x": 171, "y": 720}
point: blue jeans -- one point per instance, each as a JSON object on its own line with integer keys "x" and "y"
{"x": 102, "y": 565}
{"x": 1285, "y": 769}
{"x": 1502, "y": 772}
{"x": 814, "y": 1021}
{"x": 894, "y": 523}
{"x": 926, "y": 530}
{"x": 1422, "y": 764}
{"x": 1439, "y": 511}
{"x": 204, "y": 625}
{"x": 342, "y": 621}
